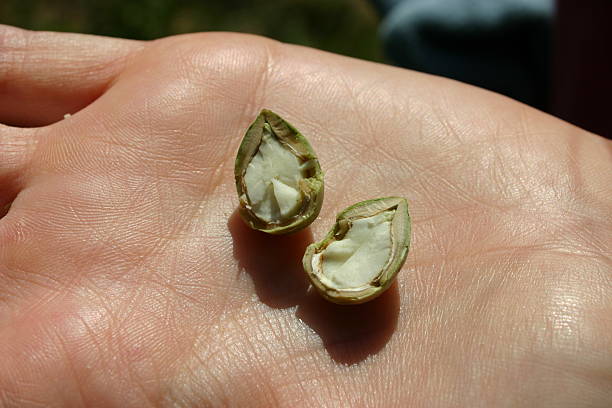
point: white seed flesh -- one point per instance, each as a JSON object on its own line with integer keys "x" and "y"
{"x": 356, "y": 259}
{"x": 272, "y": 180}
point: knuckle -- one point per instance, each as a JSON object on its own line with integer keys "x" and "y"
{"x": 216, "y": 59}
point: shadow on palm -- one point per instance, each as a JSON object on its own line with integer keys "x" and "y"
{"x": 349, "y": 333}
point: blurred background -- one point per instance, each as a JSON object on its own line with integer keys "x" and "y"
{"x": 554, "y": 55}
{"x": 346, "y": 27}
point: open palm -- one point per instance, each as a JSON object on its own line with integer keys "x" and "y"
{"x": 128, "y": 280}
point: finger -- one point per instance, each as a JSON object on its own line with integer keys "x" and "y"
{"x": 44, "y": 75}
{"x": 16, "y": 147}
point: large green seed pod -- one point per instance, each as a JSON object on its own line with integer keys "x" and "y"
{"x": 278, "y": 177}
{"x": 363, "y": 252}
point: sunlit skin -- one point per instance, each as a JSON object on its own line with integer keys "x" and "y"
{"x": 128, "y": 280}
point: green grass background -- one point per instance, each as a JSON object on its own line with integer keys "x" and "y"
{"x": 347, "y": 27}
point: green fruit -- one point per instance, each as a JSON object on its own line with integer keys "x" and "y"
{"x": 362, "y": 253}
{"x": 278, "y": 177}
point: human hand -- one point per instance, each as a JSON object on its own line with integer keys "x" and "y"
{"x": 126, "y": 278}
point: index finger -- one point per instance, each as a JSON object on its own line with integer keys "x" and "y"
{"x": 44, "y": 75}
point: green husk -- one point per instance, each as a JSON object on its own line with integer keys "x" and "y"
{"x": 400, "y": 232}
{"x": 311, "y": 187}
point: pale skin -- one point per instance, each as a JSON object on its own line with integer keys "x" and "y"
{"x": 127, "y": 280}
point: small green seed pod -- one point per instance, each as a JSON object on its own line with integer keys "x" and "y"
{"x": 278, "y": 177}
{"x": 363, "y": 252}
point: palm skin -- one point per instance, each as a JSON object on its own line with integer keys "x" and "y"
{"x": 127, "y": 280}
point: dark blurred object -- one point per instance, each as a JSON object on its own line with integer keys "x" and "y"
{"x": 346, "y": 27}
{"x": 583, "y": 64}
{"x": 501, "y": 45}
